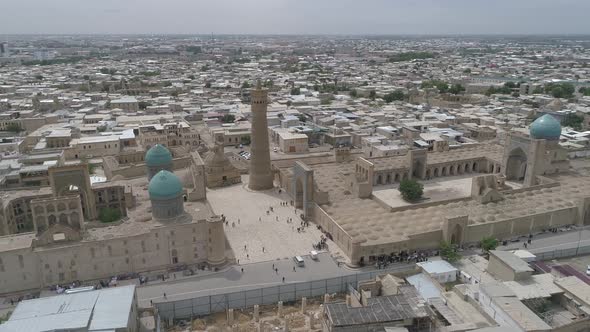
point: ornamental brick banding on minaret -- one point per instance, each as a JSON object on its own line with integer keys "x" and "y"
{"x": 260, "y": 172}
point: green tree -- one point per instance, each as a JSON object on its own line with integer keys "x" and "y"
{"x": 411, "y": 190}
{"x": 108, "y": 215}
{"x": 538, "y": 90}
{"x": 449, "y": 252}
{"x": 208, "y": 85}
{"x": 407, "y": 56}
{"x": 295, "y": 91}
{"x": 14, "y": 127}
{"x": 144, "y": 104}
{"x": 572, "y": 120}
{"x": 353, "y": 93}
{"x": 467, "y": 71}
{"x": 488, "y": 243}
{"x": 245, "y": 140}
{"x": 39, "y": 77}
{"x": 560, "y": 90}
{"x": 246, "y": 85}
{"x": 302, "y": 117}
{"x": 228, "y": 118}
{"x": 395, "y": 95}
{"x": 456, "y": 89}
{"x": 269, "y": 83}
{"x": 372, "y": 94}
{"x": 442, "y": 86}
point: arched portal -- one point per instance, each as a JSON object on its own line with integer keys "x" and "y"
{"x": 516, "y": 165}
{"x": 456, "y": 235}
{"x": 302, "y": 187}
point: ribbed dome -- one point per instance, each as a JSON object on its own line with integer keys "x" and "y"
{"x": 158, "y": 155}
{"x": 545, "y": 127}
{"x": 164, "y": 185}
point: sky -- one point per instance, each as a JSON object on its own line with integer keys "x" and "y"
{"x": 346, "y": 17}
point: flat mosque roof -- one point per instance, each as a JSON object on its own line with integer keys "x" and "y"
{"x": 96, "y": 310}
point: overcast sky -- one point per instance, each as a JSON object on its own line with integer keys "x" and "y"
{"x": 295, "y": 16}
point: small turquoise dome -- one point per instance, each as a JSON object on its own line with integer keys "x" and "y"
{"x": 545, "y": 127}
{"x": 164, "y": 185}
{"x": 158, "y": 155}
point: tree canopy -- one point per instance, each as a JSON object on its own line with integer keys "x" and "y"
{"x": 395, "y": 95}
{"x": 407, "y": 56}
{"x": 228, "y": 118}
{"x": 572, "y": 120}
{"x": 14, "y": 127}
{"x": 488, "y": 243}
{"x": 411, "y": 190}
{"x": 560, "y": 90}
{"x": 449, "y": 252}
{"x": 107, "y": 215}
{"x": 295, "y": 91}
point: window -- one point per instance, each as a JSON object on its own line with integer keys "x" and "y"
{"x": 110, "y": 249}
{"x": 21, "y": 261}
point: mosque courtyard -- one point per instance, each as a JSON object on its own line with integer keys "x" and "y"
{"x": 249, "y": 224}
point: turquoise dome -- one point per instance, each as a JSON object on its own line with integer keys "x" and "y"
{"x": 164, "y": 185}
{"x": 545, "y": 127}
{"x": 158, "y": 155}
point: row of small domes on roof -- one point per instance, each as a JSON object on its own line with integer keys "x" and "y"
{"x": 164, "y": 185}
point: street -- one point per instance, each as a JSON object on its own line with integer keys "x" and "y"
{"x": 255, "y": 275}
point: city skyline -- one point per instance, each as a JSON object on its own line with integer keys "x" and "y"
{"x": 428, "y": 17}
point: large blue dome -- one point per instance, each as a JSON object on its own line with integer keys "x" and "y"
{"x": 158, "y": 155}
{"x": 164, "y": 185}
{"x": 545, "y": 127}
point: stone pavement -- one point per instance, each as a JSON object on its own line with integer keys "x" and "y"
{"x": 256, "y": 229}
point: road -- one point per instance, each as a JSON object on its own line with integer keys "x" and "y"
{"x": 255, "y": 275}
{"x": 554, "y": 241}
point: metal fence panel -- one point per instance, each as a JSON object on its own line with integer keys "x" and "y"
{"x": 218, "y": 303}
{"x": 206, "y": 305}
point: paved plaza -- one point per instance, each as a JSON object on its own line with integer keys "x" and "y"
{"x": 249, "y": 224}
{"x": 434, "y": 190}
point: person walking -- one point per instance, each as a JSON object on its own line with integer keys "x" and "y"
{"x": 283, "y": 279}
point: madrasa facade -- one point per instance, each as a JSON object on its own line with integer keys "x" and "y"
{"x": 62, "y": 233}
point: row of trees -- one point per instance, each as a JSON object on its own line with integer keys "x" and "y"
{"x": 506, "y": 89}
{"x": 560, "y": 90}
{"x": 449, "y": 251}
{"x": 408, "y": 56}
{"x": 443, "y": 87}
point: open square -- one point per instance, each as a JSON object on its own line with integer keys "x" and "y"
{"x": 248, "y": 223}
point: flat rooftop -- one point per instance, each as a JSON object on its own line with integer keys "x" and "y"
{"x": 97, "y": 310}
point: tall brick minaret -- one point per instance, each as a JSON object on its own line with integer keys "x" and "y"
{"x": 260, "y": 172}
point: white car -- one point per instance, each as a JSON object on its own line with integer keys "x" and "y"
{"x": 588, "y": 270}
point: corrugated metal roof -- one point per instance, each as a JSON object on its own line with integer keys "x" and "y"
{"x": 100, "y": 310}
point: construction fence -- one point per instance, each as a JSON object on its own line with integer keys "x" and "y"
{"x": 561, "y": 253}
{"x": 291, "y": 292}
